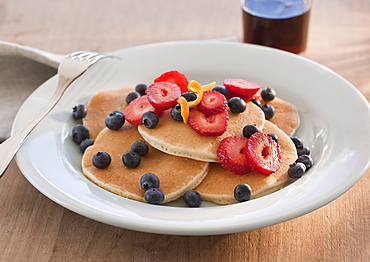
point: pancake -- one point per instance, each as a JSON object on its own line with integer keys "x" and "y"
{"x": 101, "y": 105}
{"x": 177, "y": 138}
{"x": 286, "y": 115}
{"x": 176, "y": 174}
{"x": 218, "y": 186}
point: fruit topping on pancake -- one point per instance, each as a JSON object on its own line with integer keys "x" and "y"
{"x": 125, "y": 180}
{"x": 219, "y": 184}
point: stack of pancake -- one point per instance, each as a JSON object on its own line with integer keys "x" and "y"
{"x": 181, "y": 158}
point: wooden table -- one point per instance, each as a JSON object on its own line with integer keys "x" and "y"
{"x": 34, "y": 228}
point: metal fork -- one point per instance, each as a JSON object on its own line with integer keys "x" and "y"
{"x": 71, "y": 68}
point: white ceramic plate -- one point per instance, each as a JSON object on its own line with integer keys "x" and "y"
{"x": 335, "y": 124}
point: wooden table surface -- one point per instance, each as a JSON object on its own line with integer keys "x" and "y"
{"x": 34, "y": 228}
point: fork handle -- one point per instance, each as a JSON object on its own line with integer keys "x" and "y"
{"x": 9, "y": 147}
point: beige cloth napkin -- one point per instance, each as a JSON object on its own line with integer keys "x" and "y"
{"x": 22, "y": 70}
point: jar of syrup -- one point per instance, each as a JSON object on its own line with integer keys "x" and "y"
{"x": 281, "y": 24}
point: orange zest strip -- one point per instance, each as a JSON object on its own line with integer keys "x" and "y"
{"x": 184, "y": 108}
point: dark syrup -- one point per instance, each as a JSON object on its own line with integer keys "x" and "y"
{"x": 280, "y": 24}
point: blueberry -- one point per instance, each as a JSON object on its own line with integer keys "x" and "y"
{"x": 149, "y": 180}
{"x": 237, "y": 105}
{"x": 131, "y": 159}
{"x": 269, "y": 111}
{"x": 242, "y": 192}
{"x": 249, "y": 130}
{"x": 176, "y": 113}
{"x": 189, "y": 96}
{"x": 268, "y": 94}
{"x": 223, "y": 90}
{"x": 296, "y": 170}
{"x": 274, "y": 137}
{"x": 141, "y": 88}
{"x": 80, "y": 133}
{"x": 85, "y": 144}
{"x": 303, "y": 150}
{"x": 150, "y": 119}
{"x": 79, "y": 111}
{"x": 140, "y": 147}
{"x": 192, "y": 198}
{"x": 101, "y": 160}
{"x": 306, "y": 160}
{"x": 257, "y": 102}
{"x": 132, "y": 96}
{"x": 297, "y": 141}
{"x": 114, "y": 120}
{"x": 154, "y": 196}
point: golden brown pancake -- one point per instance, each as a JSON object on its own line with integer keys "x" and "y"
{"x": 218, "y": 186}
{"x": 101, "y": 105}
{"x": 286, "y": 115}
{"x": 180, "y": 139}
{"x": 176, "y": 174}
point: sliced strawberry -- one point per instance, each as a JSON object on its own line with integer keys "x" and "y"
{"x": 240, "y": 87}
{"x": 212, "y": 103}
{"x": 245, "y": 97}
{"x": 214, "y": 125}
{"x": 134, "y": 111}
{"x": 174, "y": 77}
{"x": 231, "y": 154}
{"x": 163, "y": 95}
{"x": 263, "y": 153}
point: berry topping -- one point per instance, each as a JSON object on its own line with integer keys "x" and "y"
{"x": 163, "y": 95}
{"x": 302, "y": 150}
{"x": 275, "y": 137}
{"x": 131, "y": 159}
{"x": 192, "y": 198}
{"x": 150, "y": 119}
{"x": 176, "y": 113}
{"x": 101, "y": 160}
{"x": 80, "y": 133}
{"x": 154, "y": 196}
{"x": 223, "y": 90}
{"x": 263, "y": 153}
{"x": 141, "y": 88}
{"x": 237, "y": 105}
{"x": 135, "y": 110}
{"x": 269, "y": 111}
{"x": 175, "y": 78}
{"x": 214, "y": 125}
{"x": 189, "y": 96}
{"x": 297, "y": 141}
{"x": 249, "y": 130}
{"x": 306, "y": 160}
{"x": 132, "y": 96}
{"x": 79, "y": 111}
{"x": 296, "y": 170}
{"x": 231, "y": 154}
{"x": 115, "y": 120}
{"x": 268, "y": 94}
{"x": 85, "y": 144}
{"x": 256, "y": 102}
{"x": 140, "y": 147}
{"x": 241, "y": 87}
{"x": 149, "y": 180}
{"x": 242, "y": 192}
{"x": 212, "y": 103}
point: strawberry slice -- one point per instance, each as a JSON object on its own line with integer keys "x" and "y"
{"x": 263, "y": 153}
{"x": 174, "y": 77}
{"x": 163, "y": 95}
{"x": 231, "y": 154}
{"x": 214, "y": 125}
{"x": 212, "y": 103}
{"x": 240, "y": 87}
{"x": 134, "y": 111}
